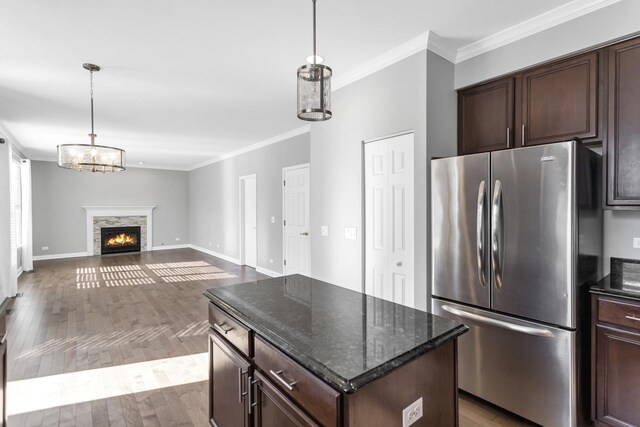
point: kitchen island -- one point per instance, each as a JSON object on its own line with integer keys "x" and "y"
{"x": 298, "y": 351}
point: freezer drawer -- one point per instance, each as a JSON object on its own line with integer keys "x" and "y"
{"x": 524, "y": 367}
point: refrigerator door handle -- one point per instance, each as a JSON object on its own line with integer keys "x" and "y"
{"x": 497, "y": 235}
{"x": 540, "y": 332}
{"x": 480, "y": 234}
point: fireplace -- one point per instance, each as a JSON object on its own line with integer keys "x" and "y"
{"x": 119, "y": 239}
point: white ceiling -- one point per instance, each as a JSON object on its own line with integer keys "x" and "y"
{"x": 184, "y": 82}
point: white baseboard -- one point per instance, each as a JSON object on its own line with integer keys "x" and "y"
{"x": 20, "y": 271}
{"x": 59, "y": 256}
{"x": 268, "y": 272}
{"x": 215, "y": 254}
{"x": 168, "y": 247}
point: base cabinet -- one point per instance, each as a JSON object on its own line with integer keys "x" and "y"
{"x": 259, "y": 385}
{"x": 617, "y": 362}
{"x": 272, "y": 408}
{"x": 228, "y": 387}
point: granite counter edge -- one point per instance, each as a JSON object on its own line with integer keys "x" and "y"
{"x": 336, "y": 381}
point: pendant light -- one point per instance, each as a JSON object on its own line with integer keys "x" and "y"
{"x": 314, "y": 86}
{"x": 91, "y": 157}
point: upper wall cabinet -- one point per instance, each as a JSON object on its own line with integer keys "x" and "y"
{"x": 485, "y": 117}
{"x": 622, "y": 148}
{"x": 560, "y": 101}
{"x": 547, "y": 104}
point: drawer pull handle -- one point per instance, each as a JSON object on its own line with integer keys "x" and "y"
{"x": 221, "y": 329}
{"x": 633, "y": 317}
{"x": 284, "y": 382}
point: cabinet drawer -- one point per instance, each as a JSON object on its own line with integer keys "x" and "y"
{"x": 623, "y": 313}
{"x": 234, "y": 332}
{"x": 320, "y": 400}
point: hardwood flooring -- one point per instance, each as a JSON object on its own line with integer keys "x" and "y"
{"x": 120, "y": 341}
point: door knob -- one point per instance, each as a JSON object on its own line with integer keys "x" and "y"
{"x": 306, "y": 233}
{"x": 399, "y": 264}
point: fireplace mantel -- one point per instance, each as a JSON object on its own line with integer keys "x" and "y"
{"x": 93, "y": 211}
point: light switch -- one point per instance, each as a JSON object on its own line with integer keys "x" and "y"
{"x": 273, "y": 220}
{"x": 350, "y": 233}
{"x": 324, "y": 230}
{"x": 636, "y": 242}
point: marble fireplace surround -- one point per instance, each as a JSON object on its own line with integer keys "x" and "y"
{"x": 118, "y": 211}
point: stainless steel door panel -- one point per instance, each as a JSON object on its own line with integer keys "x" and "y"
{"x": 459, "y": 228}
{"x": 533, "y": 222}
{"x": 524, "y": 367}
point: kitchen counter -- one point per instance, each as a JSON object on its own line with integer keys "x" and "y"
{"x": 624, "y": 280}
{"x": 347, "y": 339}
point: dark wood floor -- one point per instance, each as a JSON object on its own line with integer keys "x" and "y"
{"x": 90, "y": 333}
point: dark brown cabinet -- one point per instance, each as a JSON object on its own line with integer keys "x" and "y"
{"x": 560, "y": 101}
{"x": 273, "y": 408}
{"x": 543, "y": 105}
{"x": 616, "y": 361}
{"x": 228, "y": 381}
{"x": 253, "y": 383}
{"x": 485, "y": 117}
{"x": 622, "y": 149}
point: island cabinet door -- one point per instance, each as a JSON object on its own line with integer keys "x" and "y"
{"x": 229, "y": 376}
{"x": 271, "y": 408}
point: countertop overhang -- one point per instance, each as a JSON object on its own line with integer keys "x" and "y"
{"x": 346, "y": 338}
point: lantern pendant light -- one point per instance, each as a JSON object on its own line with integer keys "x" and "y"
{"x": 91, "y": 157}
{"x": 314, "y": 86}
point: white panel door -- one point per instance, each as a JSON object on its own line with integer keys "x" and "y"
{"x": 250, "y": 219}
{"x": 389, "y": 222}
{"x": 296, "y": 220}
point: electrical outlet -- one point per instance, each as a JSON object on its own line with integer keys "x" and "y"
{"x": 412, "y": 413}
{"x": 273, "y": 220}
{"x": 270, "y": 261}
{"x": 350, "y": 233}
{"x": 210, "y": 244}
{"x": 636, "y": 242}
{"x": 218, "y": 245}
{"x": 177, "y": 239}
{"x": 324, "y": 230}
{"x": 45, "y": 248}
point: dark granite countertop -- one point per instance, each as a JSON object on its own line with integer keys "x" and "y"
{"x": 624, "y": 280}
{"x": 346, "y": 338}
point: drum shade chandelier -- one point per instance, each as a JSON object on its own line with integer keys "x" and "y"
{"x": 314, "y": 86}
{"x": 91, "y": 157}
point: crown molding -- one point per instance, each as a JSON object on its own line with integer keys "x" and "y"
{"x": 551, "y": 18}
{"x": 283, "y": 136}
{"x": 378, "y": 63}
{"x": 442, "y": 47}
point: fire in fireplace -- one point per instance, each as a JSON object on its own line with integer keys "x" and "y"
{"x": 119, "y": 239}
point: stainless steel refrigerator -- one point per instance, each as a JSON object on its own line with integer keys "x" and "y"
{"x": 516, "y": 241}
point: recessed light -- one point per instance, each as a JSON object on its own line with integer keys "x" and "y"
{"x": 319, "y": 59}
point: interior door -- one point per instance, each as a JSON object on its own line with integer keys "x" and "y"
{"x": 250, "y": 220}
{"x": 296, "y": 220}
{"x": 389, "y": 222}
{"x": 460, "y": 229}
{"x": 532, "y": 233}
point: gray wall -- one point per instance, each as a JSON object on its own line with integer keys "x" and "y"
{"x": 5, "y": 221}
{"x": 391, "y": 100}
{"x": 596, "y": 28}
{"x": 214, "y": 201}
{"x": 613, "y": 22}
{"x": 59, "y": 221}
{"x": 620, "y": 227}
